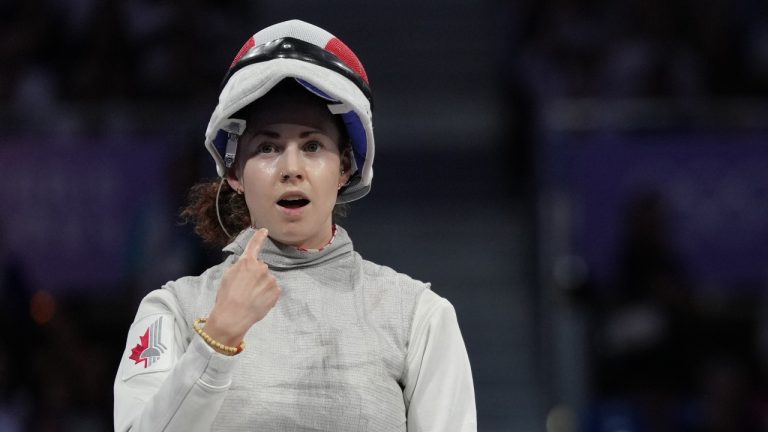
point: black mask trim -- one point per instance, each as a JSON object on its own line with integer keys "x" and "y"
{"x": 293, "y": 48}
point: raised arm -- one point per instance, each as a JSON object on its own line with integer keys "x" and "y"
{"x": 163, "y": 383}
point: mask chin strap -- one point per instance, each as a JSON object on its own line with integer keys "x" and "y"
{"x": 234, "y": 128}
{"x": 218, "y": 213}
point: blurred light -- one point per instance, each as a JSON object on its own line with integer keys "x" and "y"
{"x": 561, "y": 418}
{"x": 42, "y": 307}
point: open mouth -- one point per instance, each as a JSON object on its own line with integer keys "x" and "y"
{"x": 293, "y": 203}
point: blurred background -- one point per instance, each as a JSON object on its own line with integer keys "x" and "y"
{"x": 585, "y": 180}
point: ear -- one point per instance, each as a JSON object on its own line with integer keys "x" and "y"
{"x": 346, "y": 167}
{"x": 233, "y": 181}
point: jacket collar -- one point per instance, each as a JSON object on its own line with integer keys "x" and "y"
{"x": 280, "y": 256}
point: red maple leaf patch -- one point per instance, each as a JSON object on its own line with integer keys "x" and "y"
{"x": 139, "y": 348}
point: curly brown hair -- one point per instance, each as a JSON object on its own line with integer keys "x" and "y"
{"x": 201, "y": 212}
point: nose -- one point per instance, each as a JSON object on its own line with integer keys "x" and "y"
{"x": 292, "y": 165}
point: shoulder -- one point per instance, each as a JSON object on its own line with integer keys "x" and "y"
{"x": 393, "y": 294}
{"x": 392, "y": 278}
{"x": 432, "y": 310}
{"x": 431, "y": 304}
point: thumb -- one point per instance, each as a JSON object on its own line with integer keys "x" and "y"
{"x": 254, "y": 244}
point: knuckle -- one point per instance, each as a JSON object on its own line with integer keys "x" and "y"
{"x": 244, "y": 263}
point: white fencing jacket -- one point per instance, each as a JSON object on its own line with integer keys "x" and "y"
{"x": 350, "y": 346}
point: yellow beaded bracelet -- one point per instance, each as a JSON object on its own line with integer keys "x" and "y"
{"x": 214, "y": 343}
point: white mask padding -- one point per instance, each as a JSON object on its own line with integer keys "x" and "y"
{"x": 340, "y": 108}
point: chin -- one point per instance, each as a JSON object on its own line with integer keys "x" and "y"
{"x": 299, "y": 233}
{"x": 289, "y": 236}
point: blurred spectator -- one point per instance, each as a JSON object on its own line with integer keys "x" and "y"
{"x": 598, "y": 48}
{"x": 15, "y": 400}
{"x": 102, "y": 63}
{"x": 644, "y": 353}
{"x": 667, "y": 358}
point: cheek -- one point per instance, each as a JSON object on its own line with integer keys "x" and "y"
{"x": 331, "y": 172}
{"x": 256, "y": 172}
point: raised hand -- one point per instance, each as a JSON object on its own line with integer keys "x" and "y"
{"x": 247, "y": 293}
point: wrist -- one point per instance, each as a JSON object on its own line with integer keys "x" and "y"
{"x": 223, "y": 346}
{"x": 223, "y": 330}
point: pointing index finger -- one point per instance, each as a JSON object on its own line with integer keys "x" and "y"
{"x": 254, "y": 244}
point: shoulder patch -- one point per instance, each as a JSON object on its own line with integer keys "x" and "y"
{"x": 150, "y": 346}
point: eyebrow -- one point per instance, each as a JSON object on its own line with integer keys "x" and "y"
{"x": 272, "y": 134}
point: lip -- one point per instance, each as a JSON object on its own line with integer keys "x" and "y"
{"x": 293, "y": 194}
{"x": 292, "y": 212}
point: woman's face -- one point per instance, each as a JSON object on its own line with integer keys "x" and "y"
{"x": 290, "y": 169}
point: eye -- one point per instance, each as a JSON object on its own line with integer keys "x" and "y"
{"x": 266, "y": 148}
{"x": 312, "y": 146}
